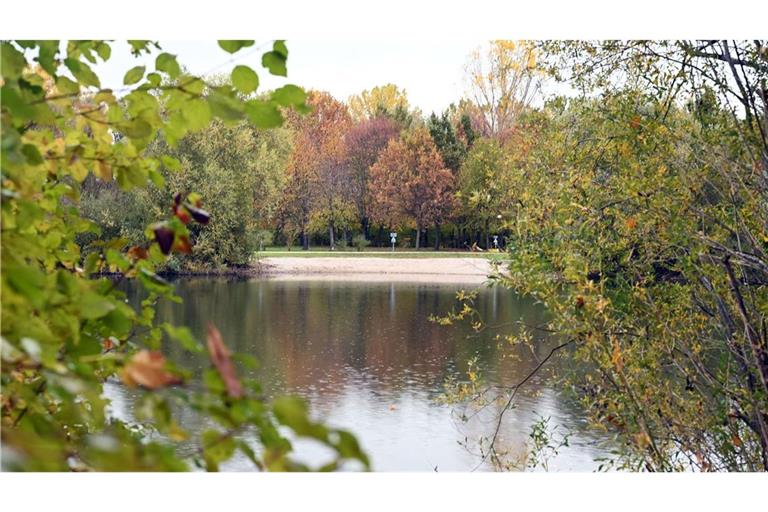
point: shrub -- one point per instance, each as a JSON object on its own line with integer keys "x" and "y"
{"x": 360, "y": 242}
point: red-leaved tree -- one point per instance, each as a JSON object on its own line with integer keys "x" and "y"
{"x": 317, "y": 177}
{"x": 410, "y": 182}
{"x": 365, "y": 141}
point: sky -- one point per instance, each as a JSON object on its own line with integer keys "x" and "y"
{"x": 431, "y": 72}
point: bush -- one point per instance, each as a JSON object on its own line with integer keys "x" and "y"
{"x": 360, "y": 242}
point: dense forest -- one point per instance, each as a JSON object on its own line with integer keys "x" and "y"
{"x": 634, "y": 208}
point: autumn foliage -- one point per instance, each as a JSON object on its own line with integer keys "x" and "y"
{"x": 410, "y": 181}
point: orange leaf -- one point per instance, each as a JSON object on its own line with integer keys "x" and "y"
{"x": 138, "y": 253}
{"x": 221, "y": 358}
{"x": 147, "y": 368}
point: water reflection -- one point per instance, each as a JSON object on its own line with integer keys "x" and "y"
{"x": 368, "y": 360}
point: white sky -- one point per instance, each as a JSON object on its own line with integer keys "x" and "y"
{"x": 431, "y": 72}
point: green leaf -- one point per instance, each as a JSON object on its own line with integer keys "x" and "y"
{"x": 67, "y": 86}
{"x": 82, "y": 72}
{"x": 47, "y": 55}
{"x": 275, "y": 63}
{"x": 13, "y": 101}
{"x": 104, "y": 50}
{"x": 232, "y": 46}
{"x": 134, "y": 75}
{"x": 167, "y": 63}
{"x": 263, "y": 114}
{"x": 184, "y": 336}
{"x": 12, "y": 62}
{"x": 154, "y": 79}
{"x": 33, "y": 155}
{"x": 292, "y": 412}
{"x": 279, "y": 47}
{"x": 27, "y": 281}
{"x": 289, "y": 95}
{"x": 224, "y": 107}
{"x": 197, "y": 113}
{"x": 349, "y": 448}
{"x": 245, "y": 79}
{"x": 170, "y": 163}
{"x": 137, "y": 128}
{"x": 93, "y": 305}
{"x": 217, "y": 447}
{"x": 152, "y": 282}
{"x": 139, "y": 46}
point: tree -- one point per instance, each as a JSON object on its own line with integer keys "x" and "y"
{"x": 317, "y": 165}
{"x": 452, "y": 143}
{"x": 383, "y": 99}
{"x": 66, "y": 329}
{"x": 410, "y": 181}
{"x": 365, "y": 141}
{"x": 641, "y": 224}
{"x": 242, "y": 166}
{"x": 483, "y": 184}
{"x": 502, "y": 82}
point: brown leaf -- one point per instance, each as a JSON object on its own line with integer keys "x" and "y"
{"x": 147, "y": 368}
{"x": 138, "y": 253}
{"x": 182, "y": 214}
{"x": 104, "y": 171}
{"x": 183, "y": 245}
{"x": 221, "y": 358}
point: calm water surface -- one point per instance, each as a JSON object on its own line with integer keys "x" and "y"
{"x": 368, "y": 360}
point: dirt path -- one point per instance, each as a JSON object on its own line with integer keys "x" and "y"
{"x": 442, "y": 270}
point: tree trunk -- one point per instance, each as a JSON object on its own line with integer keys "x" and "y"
{"x": 487, "y": 233}
{"x": 304, "y": 240}
{"x": 437, "y": 236}
{"x": 366, "y": 224}
{"x": 418, "y": 236}
{"x": 381, "y": 237}
{"x": 330, "y": 233}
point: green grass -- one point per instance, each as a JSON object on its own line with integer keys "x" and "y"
{"x": 376, "y": 252}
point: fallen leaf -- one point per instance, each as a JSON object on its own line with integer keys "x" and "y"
{"x": 147, "y": 368}
{"x": 222, "y": 360}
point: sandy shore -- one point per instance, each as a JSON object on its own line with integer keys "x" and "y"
{"x": 427, "y": 270}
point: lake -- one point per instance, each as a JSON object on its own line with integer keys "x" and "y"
{"x": 367, "y": 358}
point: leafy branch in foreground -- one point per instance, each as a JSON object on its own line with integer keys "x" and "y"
{"x": 66, "y": 329}
{"x": 640, "y": 216}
